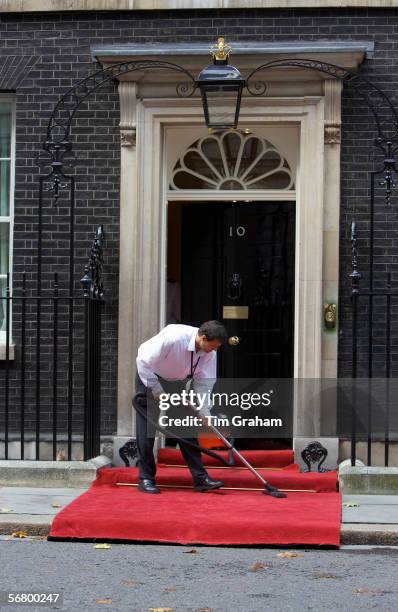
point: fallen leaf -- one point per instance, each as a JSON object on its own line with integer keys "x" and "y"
{"x": 350, "y": 505}
{"x": 289, "y": 555}
{"x": 20, "y": 534}
{"x": 5, "y": 510}
{"x": 102, "y": 546}
{"x": 104, "y": 601}
{"x": 371, "y": 592}
{"x": 193, "y": 551}
{"x": 325, "y": 576}
{"x": 259, "y": 566}
{"x": 129, "y": 582}
{"x": 205, "y": 610}
{"x": 56, "y": 505}
{"x": 160, "y": 609}
{"x": 170, "y": 589}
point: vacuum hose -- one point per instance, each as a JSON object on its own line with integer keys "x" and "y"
{"x": 268, "y": 489}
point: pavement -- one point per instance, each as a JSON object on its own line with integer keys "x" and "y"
{"x": 369, "y": 519}
{"x": 366, "y": 519}
{"x": 155, "y": 577}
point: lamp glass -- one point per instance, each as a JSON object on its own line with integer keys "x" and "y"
{"x": 221, "y": 107}
{"x": 221, "y": 88}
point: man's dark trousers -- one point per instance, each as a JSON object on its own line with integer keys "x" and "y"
{"x": 146, "y": 461}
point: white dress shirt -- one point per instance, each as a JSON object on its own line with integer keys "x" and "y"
{"x": 168, "y": 354}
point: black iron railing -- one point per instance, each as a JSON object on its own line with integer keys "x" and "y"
{"x": 374, "y": 320}
{"x": 51, "y": 375}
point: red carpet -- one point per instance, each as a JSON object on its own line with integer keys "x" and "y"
{"x": 222, "y": 517}
{"x": 280, "y": 458}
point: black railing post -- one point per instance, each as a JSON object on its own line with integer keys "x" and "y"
{"x": 92, "y": 409}
{"x": 38, "y": 320}
{"x": 7, "y": 372}
{"x": 93, "y": 293}
{"x": 71, "y": 315}
{"x": 370, "y": 318}
{"x": 23, "y": 363}
{"x": 55, "y": 364}
{"x": 355, "y": 278}
{"x": 388, "y": 374}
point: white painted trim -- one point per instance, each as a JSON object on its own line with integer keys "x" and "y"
{"x": 257, "y": 195}
{"x": 11, "y": 354}
{"x": 10, "y": 98}
{"x": 218, "y": 178}
{"x": 164, "y": 217}
{"x": 23, "y": 6}
{"x": 149, "y": 258}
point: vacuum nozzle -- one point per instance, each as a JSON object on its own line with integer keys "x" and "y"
{"x": 273, "y": 491}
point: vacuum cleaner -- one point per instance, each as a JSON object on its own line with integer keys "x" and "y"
{"x": 267, "y": 488}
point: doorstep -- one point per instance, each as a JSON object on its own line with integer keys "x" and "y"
{"x": 367, "y": 480}
{"x": 17, "y": 473}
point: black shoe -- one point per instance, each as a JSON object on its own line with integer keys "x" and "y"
{"x": 148, "y": 486}
{"x": 207, "y": 484}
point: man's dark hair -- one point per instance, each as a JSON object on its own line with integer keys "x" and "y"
{"x": 213, "y": 330}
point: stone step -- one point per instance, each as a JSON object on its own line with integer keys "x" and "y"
{"x": 368, "y": 480}
{"x": 77, "y": 474}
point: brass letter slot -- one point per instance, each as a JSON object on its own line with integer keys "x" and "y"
{"x": 235, "y": 312}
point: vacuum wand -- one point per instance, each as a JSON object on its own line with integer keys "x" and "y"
{"x": 268, "y": 489}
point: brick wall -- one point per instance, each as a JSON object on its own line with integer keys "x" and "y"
{"x": 62, "y": 44}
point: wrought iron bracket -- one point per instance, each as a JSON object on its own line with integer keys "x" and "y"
{"x": 58, "y": 147}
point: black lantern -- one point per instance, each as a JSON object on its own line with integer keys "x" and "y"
{"x": 221, "y": 89}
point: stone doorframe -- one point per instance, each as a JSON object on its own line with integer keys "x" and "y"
{"x": 143, "y": 226}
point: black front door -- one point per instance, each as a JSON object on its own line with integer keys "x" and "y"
{"x": 237, "y": 266}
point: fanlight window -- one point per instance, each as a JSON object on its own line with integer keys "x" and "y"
{"x": 232, "y": 160}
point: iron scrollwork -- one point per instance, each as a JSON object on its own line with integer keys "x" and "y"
{"x": 92, "y": 282}
{"x": 384, "y": 112}
{"x": 390, "y": 168}
{"x": 314, "y": 453}
{"x": 58, "y": 146}
{"x": 129, "y": 451}
{"x": 355, "y": 275}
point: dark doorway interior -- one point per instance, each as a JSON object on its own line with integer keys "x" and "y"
{"x": 235, "y": 262}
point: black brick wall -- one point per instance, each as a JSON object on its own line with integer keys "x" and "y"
{"x": 62, "y": 44}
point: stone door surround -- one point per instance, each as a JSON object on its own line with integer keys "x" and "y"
{"x": 149, "y": 108}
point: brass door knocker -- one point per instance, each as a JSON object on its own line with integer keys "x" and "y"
{"x": 330, "y": 316}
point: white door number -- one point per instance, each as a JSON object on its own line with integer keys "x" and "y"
{"x": 240, "y": 231}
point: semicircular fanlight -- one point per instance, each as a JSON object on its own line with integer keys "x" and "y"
{"x": 232, "y": 160}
